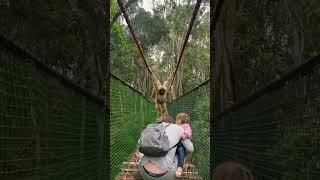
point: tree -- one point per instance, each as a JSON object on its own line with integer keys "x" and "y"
{"x": 195, "y": 66}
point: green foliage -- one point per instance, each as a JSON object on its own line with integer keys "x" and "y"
{"x": 149, "y": 28}
{"x": 161, "y": 34}
{"x": 123, "y": 54}
{"x": 196, "y": 57}
{"x": 125, "y": 61}
{"x": 113, "y": 8}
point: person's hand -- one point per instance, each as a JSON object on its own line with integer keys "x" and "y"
{"x": 184, "y": 136}
{"x": 139, "y": 156}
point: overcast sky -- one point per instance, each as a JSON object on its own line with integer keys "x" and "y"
{"x": 147, "y": 5}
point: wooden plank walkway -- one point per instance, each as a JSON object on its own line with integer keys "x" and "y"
{"x": 130, "y": 170}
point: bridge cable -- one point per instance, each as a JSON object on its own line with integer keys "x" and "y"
{"x": 194, "y": 15}
{"x": 124, "y": 12}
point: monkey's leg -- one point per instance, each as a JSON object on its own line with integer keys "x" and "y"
{"x": 158, "y": 106}
{"x": 164, "y": 109}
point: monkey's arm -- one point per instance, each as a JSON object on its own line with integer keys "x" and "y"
{"x": 155, "y": 80}
{"x": 168, "y": 82}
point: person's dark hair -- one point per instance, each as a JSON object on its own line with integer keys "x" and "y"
{"x": 166, "y": 118}
{"x": 232, "y": 171}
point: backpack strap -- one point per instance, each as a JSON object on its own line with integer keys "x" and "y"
{"x": 164, "y": 126}
{"x": 167, "y": 125}
{"x": 174, "y": 146}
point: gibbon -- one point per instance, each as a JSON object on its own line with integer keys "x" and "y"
{"x": 161, "y": 94}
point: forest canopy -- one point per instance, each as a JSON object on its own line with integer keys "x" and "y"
{"x": 161, "y": 32}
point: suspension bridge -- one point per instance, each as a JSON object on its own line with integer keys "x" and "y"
{"x": 52, "y": 129}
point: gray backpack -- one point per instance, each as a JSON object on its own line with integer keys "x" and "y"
{"x": 153, "y": 141}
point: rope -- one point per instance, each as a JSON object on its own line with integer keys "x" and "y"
{"x": 194, "y": 15}
{"x": 123, "y": 9}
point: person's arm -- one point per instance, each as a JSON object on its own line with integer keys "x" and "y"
{"x": 138, "y": 154}
{"x": 184, "y": 136}
{"x": 188, "y": 145}
{"x": 188, "y": 131}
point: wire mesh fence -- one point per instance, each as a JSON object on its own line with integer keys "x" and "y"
{"x": 131, "y": 112}
{"x": 196, "y": 104}
{"x": 49, "y": 128}
{"x": 275, "y": 132}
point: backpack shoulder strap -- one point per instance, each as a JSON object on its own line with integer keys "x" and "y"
{"x": 174, "y": 146}
{"x": 167, "y": 125}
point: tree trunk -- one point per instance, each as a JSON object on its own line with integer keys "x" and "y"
{"x": 224, "y": 85}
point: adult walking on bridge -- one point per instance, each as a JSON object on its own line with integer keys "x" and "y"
{"x": 164, "y": 167}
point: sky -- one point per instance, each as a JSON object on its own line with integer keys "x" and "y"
{"x": 147, "y": 5}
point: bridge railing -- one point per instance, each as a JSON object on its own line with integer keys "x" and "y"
{"x": 130, "y": 113}
{"x": 49, "y": 127}
{"x": 275, "y": 131}
{"x": 196, "y": 104}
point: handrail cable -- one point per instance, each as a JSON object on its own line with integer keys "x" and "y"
{"x": 124, "y": 12}
{"x": 194, "y": 15}
{"x": 39, "y": 63}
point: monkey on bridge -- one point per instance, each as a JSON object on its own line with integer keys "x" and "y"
{"x": 161, "y": 93}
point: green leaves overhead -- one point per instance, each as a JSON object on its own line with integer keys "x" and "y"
{"x": 149, "y": 28}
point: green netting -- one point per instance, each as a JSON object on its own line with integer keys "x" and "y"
{"x": 48, "y": 129}
{"x": 130, "y": 113}
{"x": 196, "y": 104}
{"x": 275, "y": 133}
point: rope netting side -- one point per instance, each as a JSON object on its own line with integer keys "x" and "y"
{"x": 196, "y": 104}
{"x": 275, "y": 132}
{"x": 48, "y": 128}
{"x": 130, "y": 113}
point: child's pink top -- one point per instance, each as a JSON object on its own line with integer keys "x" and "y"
{"x": 187, "y": 131}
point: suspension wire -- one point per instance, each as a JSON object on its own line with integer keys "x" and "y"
{"x": 194, "y": 15}
{"x": 124, "y": 12}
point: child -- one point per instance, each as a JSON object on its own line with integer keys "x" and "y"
{"x": 182, "y": 119}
